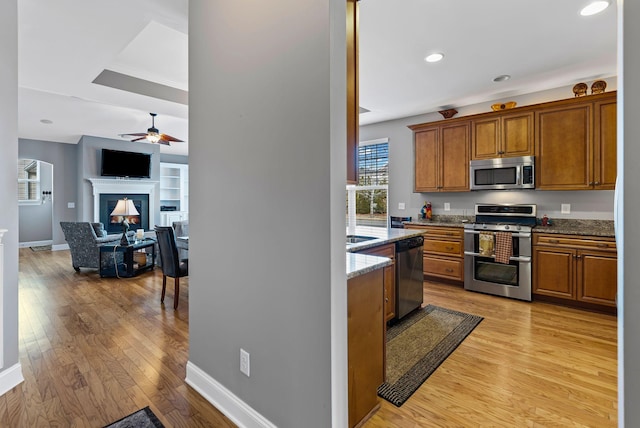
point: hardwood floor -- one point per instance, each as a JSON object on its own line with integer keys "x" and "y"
{"x": 94, "y": 350}
{"x": 525, "y": 365}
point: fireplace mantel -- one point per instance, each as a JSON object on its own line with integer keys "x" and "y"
{"x": 116, "y": 185}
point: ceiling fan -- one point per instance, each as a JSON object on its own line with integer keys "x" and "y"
{"x": 153, "y": 135}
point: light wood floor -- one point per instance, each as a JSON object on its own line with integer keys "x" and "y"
{"x": 525, "y": 365}
{"x": 93, "y": 350}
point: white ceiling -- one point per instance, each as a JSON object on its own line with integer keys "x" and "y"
{"x": 64, "y": 45}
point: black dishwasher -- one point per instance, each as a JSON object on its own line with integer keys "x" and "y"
{"x": 409, "y": 276}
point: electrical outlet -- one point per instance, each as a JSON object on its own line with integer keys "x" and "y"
{"x": 565, "y": 208}
{"x": 447, "y": 206}
{"x": 245, "y": 362}
{"x": 71, "y": 204}
{"x": 400, "y": 205}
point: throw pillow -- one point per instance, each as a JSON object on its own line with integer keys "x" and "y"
{"x": 99, "y": 229}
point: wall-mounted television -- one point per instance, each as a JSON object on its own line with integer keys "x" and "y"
{"x": 118, "y": 163}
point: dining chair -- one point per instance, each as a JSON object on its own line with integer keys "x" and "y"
{"x": 172, "y": 266}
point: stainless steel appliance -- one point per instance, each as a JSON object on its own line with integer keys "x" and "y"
{"x": 481, "y": 270}
{"x": 409, "y": 276}
{"x": 502, "y": 173}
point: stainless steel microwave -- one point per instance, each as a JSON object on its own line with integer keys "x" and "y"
{"x": 502, "y": 173}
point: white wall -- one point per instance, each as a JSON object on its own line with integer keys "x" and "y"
{"x": 266, "y": 124}
{"x": 586, "y": 204}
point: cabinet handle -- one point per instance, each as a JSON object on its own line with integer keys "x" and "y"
{"x": 591, "y": 183}
{"x": 386, "y": 299}
{"x": 449, "y": 233}
{"x": 597, "y": 183}
{"x": 603, "y": 245}
{"x": 553, "y": 241}
{"x": 578, "y": 256}
{"x": 448, "y": 248}
{"x": 449, "y": 270}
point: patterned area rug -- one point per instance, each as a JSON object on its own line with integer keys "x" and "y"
{"x": 143, "y": 418}
{"x": 418, "y": 344}
{"x": 41, "y": 248}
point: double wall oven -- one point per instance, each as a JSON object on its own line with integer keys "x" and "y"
{"x": 497, "y": 250}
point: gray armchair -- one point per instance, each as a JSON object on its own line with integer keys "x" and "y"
{"x": 84, "y": 239}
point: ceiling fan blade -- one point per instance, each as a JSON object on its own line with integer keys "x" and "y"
{"x": 138, "y": 139}
{"x": 136, "y": 134}
{"x": 164, "y": 142}
{"x": 170, "y": 138}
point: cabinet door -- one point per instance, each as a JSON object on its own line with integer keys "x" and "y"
{"x": 485, "y": 138}
{"x": 426, "y": 156}
{"x": 517, "y": 135}
{"x": 563, "y": 148}
{"x": 604, "y": 145}
{"x": 454, "y": 158}
{"x": 553, "y": 272}
{"x": 597, "y": 278}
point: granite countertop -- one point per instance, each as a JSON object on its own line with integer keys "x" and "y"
{"x": 603, "y": 228}
{"x": 359, "y": 264}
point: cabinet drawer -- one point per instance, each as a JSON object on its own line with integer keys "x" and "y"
{"x": 443, "y": 232}
{"x": 570, "y": 241}
{"x": 388, "y": 250}
{"x": 453, "y": 248}
{"x": 444, "y": 268}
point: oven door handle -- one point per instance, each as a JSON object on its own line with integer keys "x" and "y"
{"x": 523, "y": 259}
{"x": 514, "y": 234}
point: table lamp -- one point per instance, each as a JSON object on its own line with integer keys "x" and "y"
{"x": 125, "y": 208}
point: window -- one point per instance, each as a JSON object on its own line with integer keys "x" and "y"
{"x": 367, "y": 201}
{"x": 28, "y": 181}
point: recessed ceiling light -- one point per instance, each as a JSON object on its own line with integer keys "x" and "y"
{"x": 46, "y": 121}
{"x": 594, "y": 7}
{"x": 434, "y": 57}
{"x": 502, "y": 78}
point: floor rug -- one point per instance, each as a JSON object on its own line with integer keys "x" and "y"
{"x": 418, "y": 344}
{"x": 143, "y": 418}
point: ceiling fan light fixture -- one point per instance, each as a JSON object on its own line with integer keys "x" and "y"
{"x": 594, "y": 8}
{"x": 153, "y": 137}
{"x": 502, "y": 78}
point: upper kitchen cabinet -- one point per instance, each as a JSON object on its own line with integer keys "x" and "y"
{"x": 504, "y": 135}
{"x": 576, "y": 144}
{"x": 441, "y": 154}
{"x": 352, "y": 92}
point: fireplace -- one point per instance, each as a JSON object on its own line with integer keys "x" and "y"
{"x": 142, "y": 192}
{"x": 112, "y": 224}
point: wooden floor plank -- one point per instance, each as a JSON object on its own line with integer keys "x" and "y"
{"x": 96, "y": 349}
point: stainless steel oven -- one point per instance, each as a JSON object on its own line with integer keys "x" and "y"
{"x": 487, "y": 268}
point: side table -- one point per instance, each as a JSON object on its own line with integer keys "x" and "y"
{"x": 128, "y": 260}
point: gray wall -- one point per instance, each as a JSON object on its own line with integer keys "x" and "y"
{"x": 261, "y": 126}
{"x": 629, "y": 228}
{"x": 9, "y": 177}
{"x": 36, "y": 220}
{"x": 596, "y": 204}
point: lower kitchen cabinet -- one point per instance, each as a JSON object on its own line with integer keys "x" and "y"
{"x": 389, "y": 251}
{"x": 579, "y": 270}
{"x": 366, "y": 344}
{"x": 443, "y": 252}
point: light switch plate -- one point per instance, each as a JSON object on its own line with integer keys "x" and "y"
{"x": 400, "y": 205}
{"x": 447, "y": 206}
{"x": 565, "y": 208}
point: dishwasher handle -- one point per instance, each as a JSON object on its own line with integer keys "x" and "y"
{"x": 409, "y": 243}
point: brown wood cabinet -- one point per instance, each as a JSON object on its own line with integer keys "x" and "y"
{"x": 443, "y": 252}
{"x": 353, "y": 108}
{"x": 506, "y": 135}
{"x": 576, "y": 144}
{"x": 441, "y": 155}
{"x": 580, "y": 269}
{"x": 388, "y": 250}
{"x": 366, "y": 344}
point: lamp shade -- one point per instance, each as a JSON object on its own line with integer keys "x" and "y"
{"x": 125, "y": 207}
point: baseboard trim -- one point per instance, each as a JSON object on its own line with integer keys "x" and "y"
{"x": 35, "y": 243}
{"x": 224, "y": 400}
{"x": 10, "y": 378}
{"x": 58, "y": 247}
